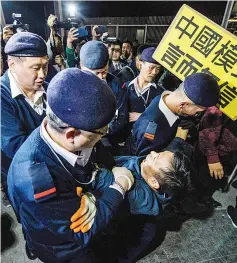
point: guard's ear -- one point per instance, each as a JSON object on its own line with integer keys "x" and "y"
{"x": 140, "y": 65}
{"x": 183, "y": 105}
{"x": 152, "y": 181}
{"x": 71, "y": 133}
{"x": 11, "y": 64}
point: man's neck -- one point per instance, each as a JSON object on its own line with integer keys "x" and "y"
{"x": 170, "y": 102}
{"x": 29, "y": 94}
{"x": 142, "y": 82}
{"x": 54, "y": 136}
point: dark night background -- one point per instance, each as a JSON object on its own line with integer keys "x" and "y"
{"x": 35, "y": 13}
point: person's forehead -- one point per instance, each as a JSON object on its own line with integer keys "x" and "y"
{"x": 115, "y": 46}
{"x": 126, "y": 45}
{"x": 36, "y": 60}
{"x": 152, "y": 64}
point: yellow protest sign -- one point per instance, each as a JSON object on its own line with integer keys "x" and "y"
{"x": 193, "y": 43}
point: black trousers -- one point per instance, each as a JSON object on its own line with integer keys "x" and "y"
{"x": 125, "y": 240}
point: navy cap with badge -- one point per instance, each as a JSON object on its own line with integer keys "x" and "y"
{"x": 81, "y": 99}
{"x": 147, "y": 55}
{"x": 94, "y": 55}
{"x": 26, "y": 44}
{"x": 202, "y": 89}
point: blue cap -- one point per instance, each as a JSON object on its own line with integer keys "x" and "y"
{"x": 202, "y": 89}
{"x": 147, "y": 55}
{"x": 26, "y": 44}
{"x": 81, "y": 99}
{"x": 94, "y": 55}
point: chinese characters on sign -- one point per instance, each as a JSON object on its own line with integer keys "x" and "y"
{"x": 192, "y": 44}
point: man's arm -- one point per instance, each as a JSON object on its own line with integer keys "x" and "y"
{"x": 209, "y": 134}
{"x": 71, "y": 59}
{"x": 13, "y": 130}
{"x": 55, "y": 215}
{"x": 121, "y": 118}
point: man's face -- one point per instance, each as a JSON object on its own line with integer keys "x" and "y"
{"x": 150, "y": 167}
{"x": 149, "y": 71}
{"x": 101, "y": 73}
{"x": 114, "y": 52}
{"x": 190, "y": 109}
{"x": 126, "y": 49}
{"x": 29, "y": 72}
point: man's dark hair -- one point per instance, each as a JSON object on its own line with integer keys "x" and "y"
{"x": 128, "y": 41}
{"x": 116, "y": 42}
{"x": 177, "y": 177}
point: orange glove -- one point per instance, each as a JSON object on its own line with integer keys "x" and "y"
{"x": 83, "y": 219}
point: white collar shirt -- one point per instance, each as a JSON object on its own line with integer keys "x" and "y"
{"x": 144, "y": 90}
{"x": 169, "y": 115}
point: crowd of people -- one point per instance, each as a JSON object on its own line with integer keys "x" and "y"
{"x": 98, "y": 139}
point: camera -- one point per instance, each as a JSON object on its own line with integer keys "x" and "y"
{"x": 101, "y": 29}
{"x": 17, "y": 25}
{"x": 69, "y": 23}
{"x": 110, "y": 40}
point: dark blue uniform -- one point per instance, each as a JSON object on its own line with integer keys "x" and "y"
{"x": 18, "y": 120}
{"x": 43, "y": 195}
{"x": 121, "y": 117}
{"x": 139, "y": 104}
{"x": 152, "y": 131}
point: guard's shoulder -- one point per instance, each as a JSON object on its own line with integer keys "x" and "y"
{"x": 42, "y": 182}
{"x": 32, "y": 181}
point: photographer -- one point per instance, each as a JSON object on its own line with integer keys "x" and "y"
{"x": 98, "y": 36}
{"x": 73, "y": 48}
{"x": 6, "y": 34}
{"x": 54, "y": 49}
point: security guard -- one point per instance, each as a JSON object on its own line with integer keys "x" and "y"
{"x": 95, "y": 58}
{"x": 23, "y": 93}
{"x": 158, "y": 124}
{"x": 142, "y": 90}
{"x": 47, "y": 171}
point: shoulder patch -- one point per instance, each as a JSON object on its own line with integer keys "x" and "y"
{"x": 42, "y": 182}
{"x": 150, "y": 131}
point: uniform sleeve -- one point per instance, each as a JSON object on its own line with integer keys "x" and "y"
{"x": 141, "y": 142}
{"x": 71, "y": 59}
{"x": 12, "y": 128}
{"x": 54, "y": 215}
{"x": 120, "y": 119}
{"x": 209, "y": 134}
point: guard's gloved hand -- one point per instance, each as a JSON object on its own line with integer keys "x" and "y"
{"x": 122, "y": 172}
{"x": 83, "y": 219}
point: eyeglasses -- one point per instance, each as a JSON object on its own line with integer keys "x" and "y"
{"x": 102, "y": 131}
